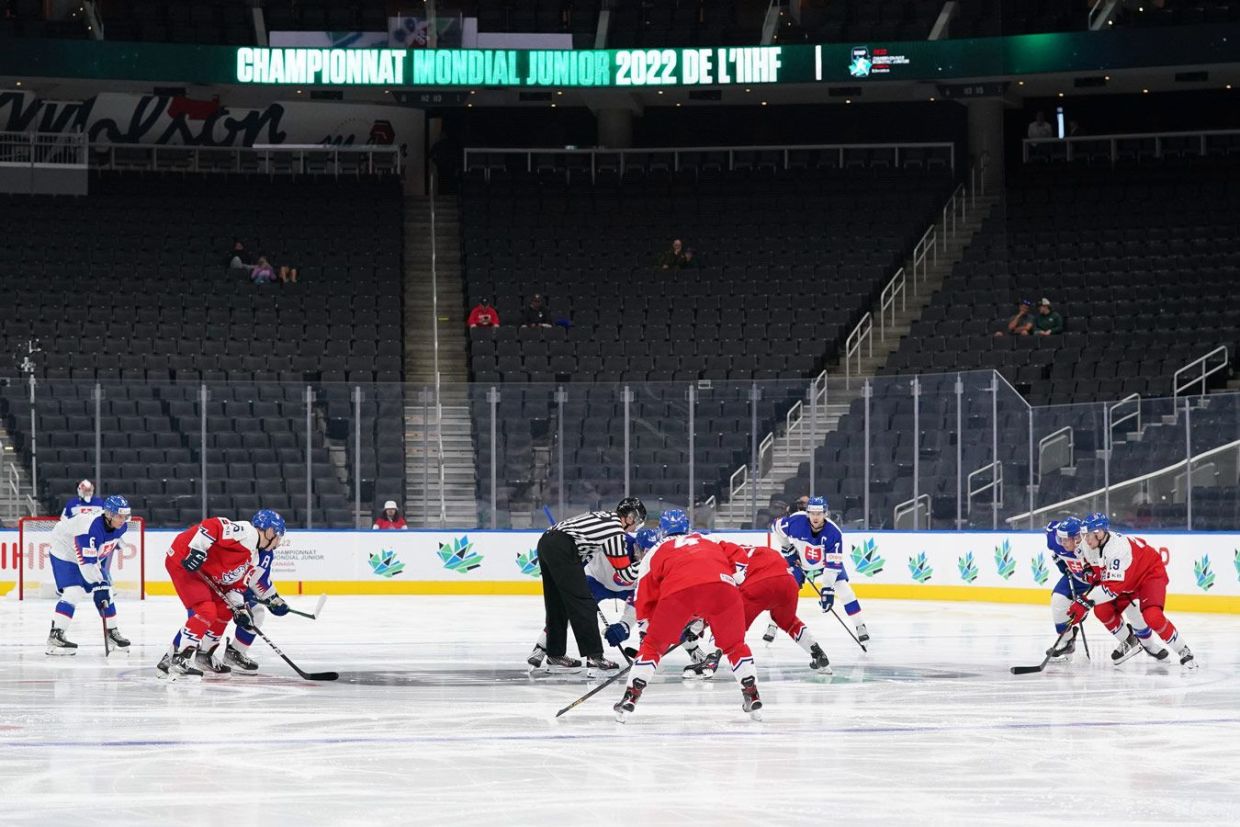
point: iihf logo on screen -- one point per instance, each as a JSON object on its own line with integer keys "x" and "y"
{"x": 860, "y": 64}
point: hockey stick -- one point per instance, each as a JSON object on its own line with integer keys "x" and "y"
{"x": 832, "y": 611}
{"x": 603, "y": 618}
{"x": 1084, "y": 642}
{"x": 107, "y": 644}
{"x": 606, "y": 684}
{"x": 1029, "y": 670}
{"x": 312, "y": 615}
{"x": 310, "y": 676}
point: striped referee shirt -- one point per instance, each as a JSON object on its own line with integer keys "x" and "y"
{"x": 598, "y": 531}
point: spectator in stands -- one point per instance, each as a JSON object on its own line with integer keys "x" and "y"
{"x": 535, "y": 313}
{"x": 799, "y": 504}
{"x": 673, "y": 259}
{"x": 1041, "y": 127}
{"x": 1048, "y": 321}
{"x": 238, "y": 258}
{"x": 689, "y": 262}
{"x": 483, "y": 315}
{"x": 391, "y": 519}
{"x": 288, "y": 275}
{"x": 1022, "y": 322}
{"x": 263, "y": 272}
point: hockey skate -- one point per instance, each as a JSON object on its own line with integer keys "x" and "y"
{"x": 118, "y": 640}
{"x": 241, "y": 663}
{"x": 705, "y": 670}
{"x": 58, "y": 645}
{"x": 535, "y": 660}
{"x": 862, "y": 634}
{"x": 1064, "y": 650}
{"x": 562, "y": 663}
{"x": 768, "y": 637}
{"x": 1186, "y": 658}
{"x": 179, "y": 665}
{"x": 819, "y": 664}
{"x": 209, "y": 665}
{"x": 1159, "y": 654}
{"x": 597, "y": 664}
{"x": 628, "y": 703}
{"x": 752, "y": 703}
{"x": 1127, "y": 650}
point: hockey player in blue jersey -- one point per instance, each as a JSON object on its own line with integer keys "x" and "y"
{"x": 814, "y": 548}
{"x": 1062, "y": 540}
{"x": 84, "y": 503}
{"x": 82, "y": 550}
{"x": 607, "y": 583}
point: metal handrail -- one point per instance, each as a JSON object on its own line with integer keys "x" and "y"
{"x": 861, "y": 334}
{"x": 735, "y": 488}
{"x": 1135, "y": 414}
{"x": 887, "y": 299}
{"x": 13, "y": 483}
{"x": 1063, "y": 505}
{"x": 996, "y": 469}
{"x": 1064, "y": 433}
{"x": 1113, "y": 139}
{"x": 795, "y": 418}
{"x": 43, "y": 149}
{"x": 298, "y": 159}
{"x": 1205, "y": 374}
{"x": 765, "y": 449}
{"x": 910, "y": 506}
{"x": 928, "y": 244}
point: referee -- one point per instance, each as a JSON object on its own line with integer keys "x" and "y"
{"x": 562, "y": 550}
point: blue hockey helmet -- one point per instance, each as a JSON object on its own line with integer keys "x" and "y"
{"x": 816, "y": 505}
{"x": 647, "y": 538}
{"x": 1070, "y": 527}
{"x": 1097, "y": 521}
{"x": 674, "y": 521}
{"x": 116, "y": 504}
{"x": 266, "y": 518}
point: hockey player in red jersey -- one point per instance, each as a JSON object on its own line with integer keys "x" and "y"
{"x": 766, "y": 584}
{"x": 684, "y": 577}
{"x": 1126, "y": 570}
{"x": 223, "y": 552}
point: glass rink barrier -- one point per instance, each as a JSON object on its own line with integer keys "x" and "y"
{"x": 946, "y": 451}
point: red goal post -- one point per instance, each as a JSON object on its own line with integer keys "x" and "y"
{"x": 34, "y": 568}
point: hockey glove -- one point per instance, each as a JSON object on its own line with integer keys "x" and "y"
{"x": 1092, "y": 575}
{"x": 277, "y": 606}
{"x": 826, "y": 598}
{"x": 1061, "y": 565}
{"x": 194, "y": 559}
{"x": 102, "y": 595}
{"x": 92, "y": 575}
{"x": 243, "y": 619}
{"x": 617, "y": 633}
{"x": 794, "y": 566}
{"x": 1078, "y": 610}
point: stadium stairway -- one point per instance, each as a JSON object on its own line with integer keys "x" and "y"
{"x": 441, "y": 435}
{"x": 789, "y": 450}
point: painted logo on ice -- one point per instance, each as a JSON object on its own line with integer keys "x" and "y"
{"x": 459, "y": 556}
{"x": 1004, "y": 561}
{"x": 385, "y": 564}
{"x": 1201, "y": 570}
{"x": 528, "y": 563}
{"x": 920, "y": 568}
{"x": 1040, "y": 574}
{"x": 968, "y": 568}
{"x": 869, "y": 562}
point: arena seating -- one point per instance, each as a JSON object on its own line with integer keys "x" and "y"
{"x": 164, "y": 316}
{"x": 166, "y": 21}
{"x": 823, "y": 21}
{"x": 791, "y": 260}
{"x": 25, "y": 18}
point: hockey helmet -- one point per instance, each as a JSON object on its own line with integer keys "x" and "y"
{"x": 116, "y": 504}
{"x": 1097, "y": 521}
{"x": 1071, "y": 527}
{"x": 647, "y": 538}
{"x": 85, "y": 490}
{"x": 632, "y": 507}
{"x": 674, "y": 521}
{"x": 266, "y": 518}
{"x": 816, "y": 505}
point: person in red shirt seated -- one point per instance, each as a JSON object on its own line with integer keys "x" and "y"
{"x": 390, "y": 519}
{"x": 685, "y": 577}
{"x": 484, "y": 315}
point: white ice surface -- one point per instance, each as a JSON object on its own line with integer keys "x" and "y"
{"x": 434, "y": 721}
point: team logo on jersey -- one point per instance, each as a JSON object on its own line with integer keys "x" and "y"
{"x": 1201, "y": 570}
{"x": 1004, "y": 561}
{"x": 528, "y": 563}
{"x": 1040, "y": 573}
{"x": 866, "y": 558}
{"x": 813, "y": 556}
{"x": 233, "y": 575}
{"x": 920, "y": 568}
{"x": 967, "y": 567}
{"x": 459, "y": 556}
{"x": 385, "y": 564}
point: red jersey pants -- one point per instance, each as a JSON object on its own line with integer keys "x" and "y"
{"x": 719, "y": 604}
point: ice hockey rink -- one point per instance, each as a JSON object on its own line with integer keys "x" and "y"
{"x": 435, "y": 721}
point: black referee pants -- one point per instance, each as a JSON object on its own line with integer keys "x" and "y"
{"x": 567, "y": 597}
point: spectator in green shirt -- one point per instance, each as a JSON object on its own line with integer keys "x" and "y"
{"x": 1048, "y": 321}
{"x": 673, "y": 259}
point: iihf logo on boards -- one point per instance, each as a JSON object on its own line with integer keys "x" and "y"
{"x": 459, "y": 556}
{"x": 860, "y": 64}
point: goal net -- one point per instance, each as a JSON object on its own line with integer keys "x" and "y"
{"x": 34, "y": 544}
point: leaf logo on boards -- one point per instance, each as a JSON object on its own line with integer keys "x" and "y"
{"x": 459, "y": 556}
{"x": 528, "y": 563}
{"x": 968, "y": 568}
{"x": 920, "y": 568}
{"x": 1004, "y": 561}
{"x": 1040, "y": 573}
{"x": 385, "y": 564}
{"x": 1237, "y": 563}
{"x": 869, "y": 562}
{"x": 1201, "y": 570}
